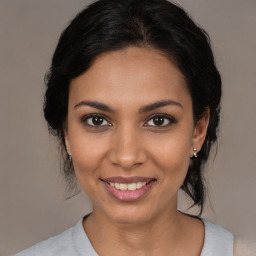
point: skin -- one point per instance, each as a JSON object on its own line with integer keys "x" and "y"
{"x": 129, "y": 143}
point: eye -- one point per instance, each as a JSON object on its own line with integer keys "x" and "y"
{"x": 96, "y": 121}
{"x": 160, "y": 120}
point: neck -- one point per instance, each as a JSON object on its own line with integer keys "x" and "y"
{"x": 159, "y": 234}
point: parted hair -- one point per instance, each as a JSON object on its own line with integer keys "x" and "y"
{"x": 109, "y": 25}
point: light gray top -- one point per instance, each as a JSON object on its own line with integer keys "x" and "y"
{"x": 74, "y": 242}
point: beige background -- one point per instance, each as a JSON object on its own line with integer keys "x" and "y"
{"x": 32, "y": 205}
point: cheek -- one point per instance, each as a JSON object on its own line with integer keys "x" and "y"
{"x": 172, "y": 155}
{"x": 88, "y": 153}
{"x": 87, "y": 158}
{"x": 174, "y": 166}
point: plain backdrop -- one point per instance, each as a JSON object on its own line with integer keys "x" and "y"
{"x": 32, "y": 191}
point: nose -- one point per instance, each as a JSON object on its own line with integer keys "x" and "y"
{"x": 127, "y": 150}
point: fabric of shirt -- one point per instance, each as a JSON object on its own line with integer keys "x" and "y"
{"x": 74, "y": 242}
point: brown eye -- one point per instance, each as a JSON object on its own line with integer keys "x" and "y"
{"x": 160, "y": 120}
{"x": 95, "y": 121}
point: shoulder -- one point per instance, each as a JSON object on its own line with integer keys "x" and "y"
{"x": 56, "y": 245}
{"x": 217, "y": 240}
{"x": 73, "y": 241}
{"x": 61, "y": 244}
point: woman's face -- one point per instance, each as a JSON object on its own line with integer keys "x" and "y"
{"x": 131, "y": 133}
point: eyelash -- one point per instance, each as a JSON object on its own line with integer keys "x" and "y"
{"x": 167, "y": 118}
{"x": 88, "y": 117}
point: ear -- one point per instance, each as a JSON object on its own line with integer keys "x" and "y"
{"x": 66, "y": 138}
{"x": 200, "y": 131}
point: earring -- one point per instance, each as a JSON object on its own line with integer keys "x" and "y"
{"x": 69, "y": 155}
{"x": 195, "y": 153}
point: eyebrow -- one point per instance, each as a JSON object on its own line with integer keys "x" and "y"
{"x": 146, "y": 108}
{"x": 95, "y": 104}
{"x": 159, "y": 104}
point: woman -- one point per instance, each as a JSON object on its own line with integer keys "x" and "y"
{"x": 133, "y": 94}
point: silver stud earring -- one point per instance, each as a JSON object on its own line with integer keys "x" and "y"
{"x": 195, "y": 153}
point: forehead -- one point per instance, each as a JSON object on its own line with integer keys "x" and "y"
{"x": 128, "y": 76}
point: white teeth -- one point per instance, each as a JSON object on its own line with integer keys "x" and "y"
{"x": 123, "y": 186}
{"x": 130, "y": 186}
{"x": 143, "y": 183}
{"x": 139, "y": 185}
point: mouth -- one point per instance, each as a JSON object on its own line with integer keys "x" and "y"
{"x": 128, "y": 189}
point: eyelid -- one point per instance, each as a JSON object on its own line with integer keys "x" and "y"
{"x": 86, "y": 117}
{"x": 171, "y": 119}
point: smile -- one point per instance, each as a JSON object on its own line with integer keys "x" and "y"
{"x": 128, "y": 189}
{"x": 130, "y": 186}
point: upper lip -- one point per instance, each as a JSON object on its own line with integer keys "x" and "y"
{"x": 127, "y": 180}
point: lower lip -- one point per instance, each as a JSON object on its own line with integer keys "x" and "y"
{"x": 128, "y": 195}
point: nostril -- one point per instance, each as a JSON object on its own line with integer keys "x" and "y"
{"x": 124, "y": 158}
